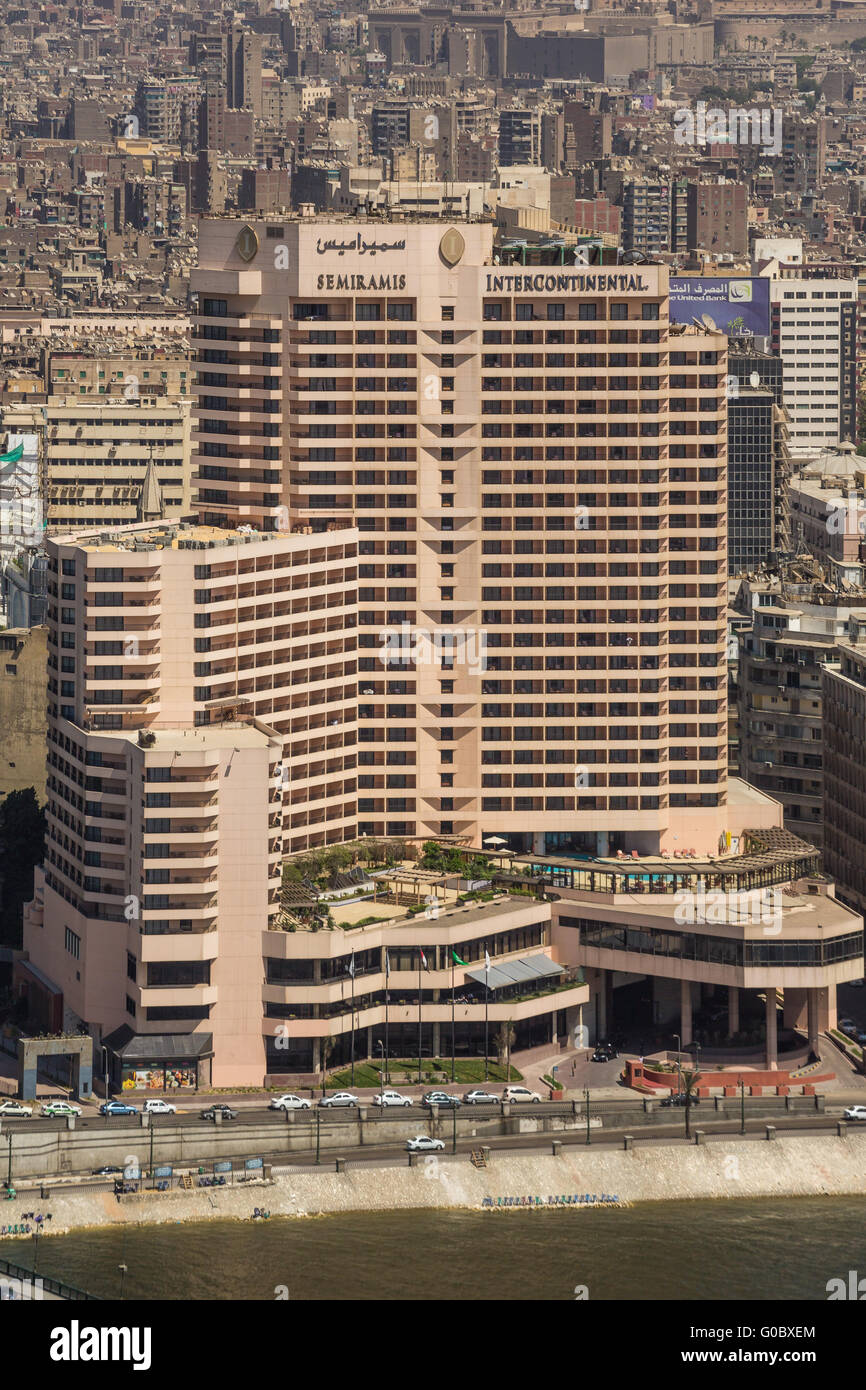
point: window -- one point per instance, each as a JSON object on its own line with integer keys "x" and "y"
{"x": 72, "y": 943}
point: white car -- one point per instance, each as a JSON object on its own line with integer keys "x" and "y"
{"x": 385, "y": 1098}
{"x": 339, "y": 1098}
{"x": 520, "y": 1093}
{"x": 856, "y": 1112}
{"x": 289, "y": 1102}
{"x": 158, "y": 1107}
{"x": 13, "y": 1110}
{"x": 55, "y": 1109}
{"x": 422, "y": 1143}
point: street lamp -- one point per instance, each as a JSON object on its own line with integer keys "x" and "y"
{"x": 381, "y": 1048}
{"x": 586, "y": 1095}
{"x": 105, "y": 1069}
{"x": 742, "y": 1106}
{"x": 122, "y": 1269}
{"x": 679, "y": 1062}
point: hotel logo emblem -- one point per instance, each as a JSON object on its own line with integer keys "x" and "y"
{"x": 247, "y": 243}
{"x": 451, "y": 247}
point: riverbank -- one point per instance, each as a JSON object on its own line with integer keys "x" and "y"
{"x": 725, "y": 1168}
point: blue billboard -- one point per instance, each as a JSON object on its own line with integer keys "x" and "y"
{"x": 739, "y": 306}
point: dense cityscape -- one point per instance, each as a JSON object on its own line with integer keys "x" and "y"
{"x": 433, "y": 614}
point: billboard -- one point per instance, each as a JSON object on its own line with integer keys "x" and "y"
{"x": 738, "y": 306}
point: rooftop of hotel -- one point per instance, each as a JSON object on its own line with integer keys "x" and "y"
{"x": 184, "y": 535}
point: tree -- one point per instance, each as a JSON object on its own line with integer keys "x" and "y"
{"x": 505, "y": 1040}
{"x": 690, "y": 1085}
{"x": 326, "y": 1051}
{"x": 22, "y": 839}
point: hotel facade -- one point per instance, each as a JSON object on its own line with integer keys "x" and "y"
{"x": 459, "y": 571}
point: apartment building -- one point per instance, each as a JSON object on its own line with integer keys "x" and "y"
{"x": 844, "y": 710}
{"x": 797, "y": 620}
{"x": 573, "y": 526}
{"x": 110, "y": 460}
{"x": 758, "y": 460}
{"x": 646, "y": 216}
{"x": 813, "y": 329}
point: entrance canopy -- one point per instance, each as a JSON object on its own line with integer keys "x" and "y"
{"x": 528, "y": 970}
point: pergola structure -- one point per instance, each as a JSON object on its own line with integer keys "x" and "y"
{"x": 412, "y": 886}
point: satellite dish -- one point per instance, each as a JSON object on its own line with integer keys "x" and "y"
{"x": 754, "y": 380}
{"x": 708, "y": 322}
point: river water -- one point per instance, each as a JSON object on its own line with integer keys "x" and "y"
{"x": 757, "y": 1249}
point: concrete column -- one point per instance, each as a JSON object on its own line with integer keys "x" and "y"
{"x": 795, "y": 1009}
{"x": 772, "y": 1038}
{"x": 369, "y": 1043}
{"x": 602, "y": 844}
{"x": 538, "y": 842}
{"x": 733, "y": 1009}
{"x": 317, "y": 1054}
{"x": 601, "y": 1031}
{"x": 812, "y": 1028}
{"x": 437, "y": 1042}
{"x": 685, "y": 1012}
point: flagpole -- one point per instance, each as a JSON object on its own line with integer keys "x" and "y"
{"x": 486, "y": 1000}
{"x": 387, "y": 977}
{"x": 420, "y": 953}
{"x": 452, "y": 1018}
{"x": 353, "y": 1020}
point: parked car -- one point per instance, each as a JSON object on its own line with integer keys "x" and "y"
{"x": 55, "y": 1109}
{"x": 521, "y": 1093}
{"x": 289, "y": 1102}
{"x": 422, "y": 1143}
{"x": 848, "y": 1027}
{"x": 602, "y": 1054}
{"x": 224, "y": 1110}
{"x": 106, "y": 1171}
{"x": 679, "y": 1098}
{"x": 480, "y": 1098}
{"x": 338, "y": 1099}
{"x": 117, "y": 1107}
{"x": 441, "y": 1098}
{"x": 159, "y": 1107}
{"x": 13, "y": 1110}
{"x": 386, "y": 1098}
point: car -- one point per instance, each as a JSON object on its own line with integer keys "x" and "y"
{"x": 289, "y": 1102}
{"x": 117, "y": 1107}
{"x": 422, "y": 1143}
{"x": 13, "y": 1110}
{"x": 521, "y": 1093}
{"x": 55, "y": 1109}
{"x": 386, "y": 1098}
{"x": 106, "y": 1171}
{"x": 679, "y": 1098}
{"x": 158, "y": 1107}
{"x": 224, "y": 1110}
{"x": 601, "y": 1054}
{"x": 856, "y": 984}
{"x": 441, "y": 1098}
{"x": 848, "y": 1027}
{"x": 480, "y": 1098}
{"x": 855, "y": 1112}
{"x": 338, "y": 1099}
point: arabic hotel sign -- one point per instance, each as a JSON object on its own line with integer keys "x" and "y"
{"x": 358, "y": 246}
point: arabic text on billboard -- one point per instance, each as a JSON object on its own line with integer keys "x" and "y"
{"x": 739, "y": 307}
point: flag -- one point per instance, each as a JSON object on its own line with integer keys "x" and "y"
{"x": 352, "y": 966}
{"x": 387, "y": 967}
{"x": 487, "y": 964}
{"x": 423, "y": 959}
{"x": 456, "y": 958}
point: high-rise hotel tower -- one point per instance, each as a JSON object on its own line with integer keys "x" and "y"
{"x": 535, "y": 462}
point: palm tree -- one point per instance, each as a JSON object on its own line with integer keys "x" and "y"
{"x": 326, "y": 1048}
{"x": 505, "y": 1040}
{"x": 690, "y": 1085}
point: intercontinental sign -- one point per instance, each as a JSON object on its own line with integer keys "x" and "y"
{"x": 569, "y": 284}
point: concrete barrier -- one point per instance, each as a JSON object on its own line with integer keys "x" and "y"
{"x": 771, "y": 1132}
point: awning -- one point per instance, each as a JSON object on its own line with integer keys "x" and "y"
{"x": 149, "y": 1047}
{"x": 528, "y": 970}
